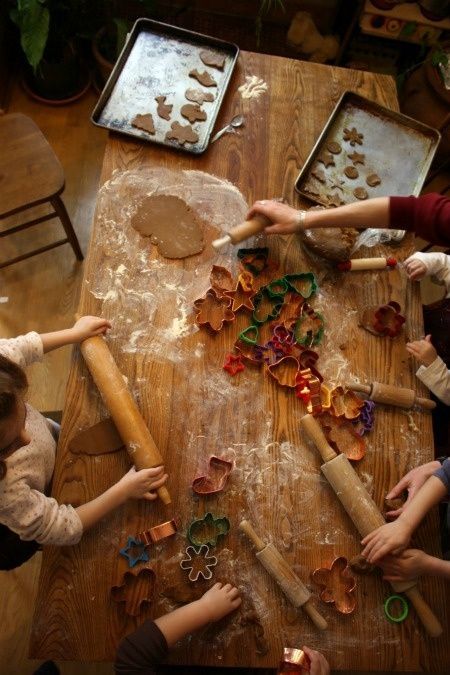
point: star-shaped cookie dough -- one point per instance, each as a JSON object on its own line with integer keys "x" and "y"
{"x": 357, "y": 158}
{"x": 326, "y": 158}
{"x": 335, "y": 200}
{"x": 353, "y": 136}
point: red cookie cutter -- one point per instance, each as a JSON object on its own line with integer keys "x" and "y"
{"x": 216, "y": 479}
{"x": 233, "y": 364}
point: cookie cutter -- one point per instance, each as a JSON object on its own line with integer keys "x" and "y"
{"x": 277, "y": 288}
{"x": 308, "y": 389}
{"x": 294, "y": 661}
{"x": 285, "y": 371}
{"x": 161, "y": 531}
{"x": 342, "y": 437}
{"x": 213, "y": 311}
{"x": 253, "y": 259}
{"x": 309, "y": 327}
{"x": 384, "y": 320}
{"x": 249, "y": 335}
{"x": 251, "y": 353}
{"x": 207, "y": 530}
{"x": 233, "y": 364}
{"x": 387, "y": 607}
{"x": 194, "y": 556}
{"x": 366, "y": 418}
{"x": 265, "y": 276}
{"x": 220, "y": 280}
{"x": 240, "y": 297}
{"x": 218, "y": 472}
{"x": 325, "y": 398}
{"x": 134, "y": 545}
{"x": 303, "y": 283}
{"x": 345, "y": 403}
{"x": 261, "y": 313}
{"x": 337, "y": 585}
{"x": 136, "y": 589}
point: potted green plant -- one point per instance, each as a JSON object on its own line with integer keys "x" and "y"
{"x": 48, "y": 29}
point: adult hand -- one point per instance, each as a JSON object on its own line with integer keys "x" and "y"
{"x": 89, "y": 326}
{"x": 285, "y": 219}
{"x": 412, "y": 482}
{"x": 390, "y": 538}
{"x": 219, "y": 601}
{"x": 407, "y": 566}
{"x": 422, "y": 350}
{"x": 415, "y": 268}
{"x": 319, "y": 664}
{"x": 144, "y": 483}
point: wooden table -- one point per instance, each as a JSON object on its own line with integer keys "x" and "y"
{"x": 194, "y": 409}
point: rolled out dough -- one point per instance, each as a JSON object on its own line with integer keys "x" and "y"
{"x": 171, "y": 224}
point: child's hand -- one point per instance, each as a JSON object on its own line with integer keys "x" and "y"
{"x": 422, "y": 350}
{"x": 409, "y": 565}
{"x": 220, "y": 601}
{"x": 389, "y": 538}
{"x": 412, "y": 482}
{"x": 144, "y": 483}
{"x": 319, "y": 664}
{"x": 415, "y": 268}
{"x": 88, "y": 326}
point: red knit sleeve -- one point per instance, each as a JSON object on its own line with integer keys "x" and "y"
{"x": 428, "y": 216}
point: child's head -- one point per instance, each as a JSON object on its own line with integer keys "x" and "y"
{"x": 13, "y": 386}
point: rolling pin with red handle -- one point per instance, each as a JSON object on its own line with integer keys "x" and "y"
{"x": 285, "y": 577}
{"x": 363, "y": 512}
{"x": 122, "y": 406}
{"x": 243, "y": 231}
{"x": 360, "y": 264}
{"x": 390, "y": 395}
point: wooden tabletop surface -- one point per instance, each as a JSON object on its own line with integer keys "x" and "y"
{"x": 194, "y": 409}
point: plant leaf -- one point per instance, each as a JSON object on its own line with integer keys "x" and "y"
{"x": 32, "y": 19}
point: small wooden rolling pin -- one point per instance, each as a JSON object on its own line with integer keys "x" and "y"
{"x": 391, "y": 395}
{"x": 122, "y": 406}
{"x": 285, "y": 577}
{"x": 359, "y": 264}
{"x": 243, "y": 231}
{"x": 363, "y": 511}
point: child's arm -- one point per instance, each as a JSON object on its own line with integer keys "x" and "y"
{"x": 436, "y": 265}
{"x": 412, "y": 564}
{"x": 411, "y": 482}
{"x": 87, "y": 326}
{"x": 394, "y": 537}
{"x": 149, "y": 644}
{"x": 433, "y": 372}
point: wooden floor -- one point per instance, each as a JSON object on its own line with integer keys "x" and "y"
{"x": 42, "y": 294}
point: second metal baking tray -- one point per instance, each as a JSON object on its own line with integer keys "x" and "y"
{"x": 397, "y": 148}
{"x": 156, "y": 61}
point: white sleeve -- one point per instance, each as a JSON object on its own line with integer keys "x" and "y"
{"x": 437, "y": 378}
{"x": 438, "y": 266}
{"x": 23, "y": 350}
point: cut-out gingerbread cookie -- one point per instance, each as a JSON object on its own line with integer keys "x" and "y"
{"x": 144, "y": 122}
{"x": 182, "y": 134}
{"x": 334, "y": 147}
{"x": 357, "y": 158}
{"x": 193, "y": 112}
{"x": 373, "y": 180}
{"x": 360, "y": 193}
{"x": 164, "y": 109}
{"x": 212, "y": 59}
{"x": 353, "y": 136}
{"x": 326, "y": 159}
{"x": 204, "y": 78}
{"x": 199, "y": 96}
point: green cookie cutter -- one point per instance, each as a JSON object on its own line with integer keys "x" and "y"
{"x": 207, "y": 530}
{"x": 276, "y": 305}
{"x": 254, "y": 259}
{"x": 301, "y": 278}
{"x": 404, "y": 608}
{"x": 278, "y": 288}
{"x": 249, "y": 335}
{"x": 309, "y": 338}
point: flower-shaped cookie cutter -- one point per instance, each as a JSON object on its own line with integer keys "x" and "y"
{"x": 337, "y": 585}
{"x": 212, "y": 312}
{"x": 277, "y": 288}
{"x": 220, "y": 280}
{"x": 218, "y": 472}
{"x": 134, "y": 552}
{"x": 343, "y": 437}
{"x": 385, "y": 320}
{"x": 198, "y": 562}
{"x": 303, "y": 283}
{"x": 207, "y": 530}
{"x": 158, "y": 532}
{"x": 366, "y": 418}
{"x": 233, "y": 364}
{"x": 136, "y": 589}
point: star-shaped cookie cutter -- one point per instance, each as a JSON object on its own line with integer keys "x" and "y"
{"x": 133, "y": 558}
{"x": 233, "y": 364}
{"x": 194, "y": 556}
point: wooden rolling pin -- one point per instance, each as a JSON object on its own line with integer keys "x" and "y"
{"x": 363, "y": 511}
{"x": 391, "y": 395}
{"x": 285, "y": 577}
{"x": 243, "y": 231}
{"x": 358, "y": 264}
{"x": 122, "y": 407}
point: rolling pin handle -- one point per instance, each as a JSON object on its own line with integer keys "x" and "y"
{"x": 251, "y": 534}
{"x": 218, "y": 243}
{"x": 164, "y": 495}
{"x": 315, "y": 433}
{"x": 429, "y": 620}
{"x": 314, "y": 615}
{"x": 426, "y": 403}
{"x": 363, "y": 388}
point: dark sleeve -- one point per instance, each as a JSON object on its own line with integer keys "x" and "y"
{"x": 444, "y": 474}
{"x": 428, "y": 216}
{"x": 141, "y": 651}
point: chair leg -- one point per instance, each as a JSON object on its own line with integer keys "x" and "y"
{"x": 60, "y": 209}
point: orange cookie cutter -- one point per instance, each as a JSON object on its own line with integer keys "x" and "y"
{"x": 343, "y": 437}
{"x": 162, "y": 531}
{"x": 217, "y": 477}
{"x": 337, "y": 585}
{"x": 241, "y": 296}
{"x": 220, "y": 280}
{"x": 213, "y": 311}
{"x": 285, "y": 371}
{"x": 345, "y": 403}
{"x": 137, "y": 588}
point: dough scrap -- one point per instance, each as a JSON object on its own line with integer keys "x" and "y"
{"x": 319, "y": 174}
{"x": 330, "y": 243}
{"x": 171, "y": 224}
{"x": 199, "y": 96}
{"x": 213, "y": 59}
{"x": 193, "y": 112}
{"x": 204, "y": 78}
{"x": 182, "y": 134}
{"x": 144, "y": 122}
{"x": 335, "y": 200}
{"x": 164, "y": 109}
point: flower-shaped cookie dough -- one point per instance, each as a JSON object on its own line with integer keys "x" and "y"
{"x": 198, "y": 563}
{"x": 212, "y": 311}
{"x": 337, "y": 585}
{"x": 353, "y": 136}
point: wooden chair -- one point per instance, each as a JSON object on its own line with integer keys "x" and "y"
{"x": 30, "y": 174}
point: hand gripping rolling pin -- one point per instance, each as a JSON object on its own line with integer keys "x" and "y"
{"x": 285, "y": 577}
{"x": 363, "y": 511}
{"x": 390, "y": 395}
{"x": 243, "y": 231}
{"x": 124, "y": 411}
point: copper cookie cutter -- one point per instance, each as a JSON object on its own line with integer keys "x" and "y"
{"x": 294, "y": 661}
{"x": 218, "y": 472}
{"x": 162, "y": 531}
{"x": 213, "y": 311}
{"x": 136, "y": 589}
{"x": 337, "y": 585}
{"x": 198, "y": 563}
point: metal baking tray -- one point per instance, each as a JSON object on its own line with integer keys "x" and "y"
{"x": 156, "y": 61}
{"x": 397, "y": 148}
